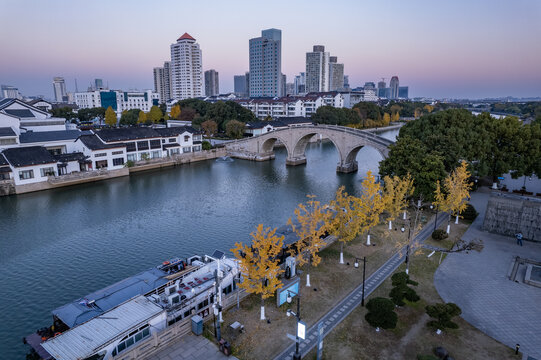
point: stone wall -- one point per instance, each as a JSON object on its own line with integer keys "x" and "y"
{"x": 509, "y": 214}
{"x": 7, "y": 187}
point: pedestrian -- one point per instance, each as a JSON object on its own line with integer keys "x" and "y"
{"x": 519, "y": 238}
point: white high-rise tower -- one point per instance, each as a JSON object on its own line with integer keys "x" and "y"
{"x": 59, "y": 87}
{"x": 317, "y": 70}
{"x": 266, "y": 64}
{"x": 186, "y": 68}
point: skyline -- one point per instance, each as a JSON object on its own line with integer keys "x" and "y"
{"x": 459, "y": 50}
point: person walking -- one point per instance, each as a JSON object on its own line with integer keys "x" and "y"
{"x": 519, "y": 238}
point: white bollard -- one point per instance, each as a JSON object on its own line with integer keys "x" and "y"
{"x": 448, "y": 228}
{"x": 341, "y": 257}
{"x": 262, "y": 313}
{"x": 404, "y": 215}
{"x": 456, "y": 220}
{"x": 368, "y": 240}
{"x": 495, "y": 186}
{"x": 407, "y": 271}
{"x": 390, "y": 225}
{"x": 308, "y": 280}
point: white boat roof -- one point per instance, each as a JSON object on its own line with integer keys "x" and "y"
{"x": 86, "y": 339}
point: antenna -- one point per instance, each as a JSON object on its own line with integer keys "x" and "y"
{"x": 76, "y": 89}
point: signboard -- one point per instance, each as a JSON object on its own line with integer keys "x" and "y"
{"x": 501, "y": 178}
{"x": 281, "y": 294}
{"x": 301, "y": 330}
{"x": 320, "y": 329}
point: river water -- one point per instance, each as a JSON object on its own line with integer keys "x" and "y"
{"x": 59, "y": 245}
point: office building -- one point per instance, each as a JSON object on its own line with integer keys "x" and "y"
{"x": 394, "y": 87}
{"x": 186, "y": 68}
{"x": 336, "y": 74}
{"x": 10, "y": 92}
{"x": 241, "y": 84}
{"x": 403, "y": 92}
{"x": 381, "y": 88}
{"x": 117, "y": 100}
{"x": 317, "y": 70}
{"x": 346, "y": 82}
{"x": 266, "y": 64}
{"x": 59, "y": 87}
{"x": 212, "y": 85}
{"x": 162, "y": 81}
{"x": 300, "y": 83}
{"x": 98, "y": 84}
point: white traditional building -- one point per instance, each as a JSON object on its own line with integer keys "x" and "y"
{"x": 29, "y": 117}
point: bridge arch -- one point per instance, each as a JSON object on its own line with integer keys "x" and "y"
{"x": 298, "y": 155}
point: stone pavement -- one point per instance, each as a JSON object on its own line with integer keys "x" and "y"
{"x": 508, "y": 311}
{"x": 191, "y": 347}
{"x": 352, "y": 300}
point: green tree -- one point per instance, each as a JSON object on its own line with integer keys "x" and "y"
{"x": 234, "y": 129}
{"x": 64, "y": 112}
{"x": 209, "y": 127}
{"x": 85, "y": 115}
{"x": 142, "y": 118}
{"x": 401, "y": 290}
{"x": 381, "y": 313}
{"x": 443, "y": 313}
{"x": 198, "y": 105}
{"x": 409, "y": 155}
{"x": 155, "y": 114}
{"x": 130, "y": 117}
{"x": 110, "y": 117}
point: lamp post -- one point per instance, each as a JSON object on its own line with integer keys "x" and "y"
{"x": 364, "y": 272}
{"x": 436, "y": 221}
{"x": 297, "y": 355}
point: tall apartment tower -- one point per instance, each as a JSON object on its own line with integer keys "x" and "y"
{"x": 300, "y": 83}
{"x": 266, "y": 64}
{"x": 212, "y": 84}
{"x": 186, "y": 68}
{"x": 381, "y": 88}
{"x": 394, "y": 87}
{"x": 59, "y": 88}
{"x": 336, "y": 74}
{"x": 317, "y": 70}
{"x": 162, "y": 81}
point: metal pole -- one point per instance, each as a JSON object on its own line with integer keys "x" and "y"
{"x": 436, "y": 222}
{"x": 297, "y": 355}
{"x": 364, "y": 270}
{"x": 218, "y": 330}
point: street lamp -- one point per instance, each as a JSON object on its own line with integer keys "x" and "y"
{"x": 436, "y": 221}
{"x": 364, "y": 272}
{"x": 297, "y": 355}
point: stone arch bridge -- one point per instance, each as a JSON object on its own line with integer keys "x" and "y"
{"x": 346, "y": 140}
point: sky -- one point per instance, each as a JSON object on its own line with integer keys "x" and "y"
{"x": 440, "y": 49}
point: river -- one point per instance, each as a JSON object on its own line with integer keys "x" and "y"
{"x": 59, "y": 245}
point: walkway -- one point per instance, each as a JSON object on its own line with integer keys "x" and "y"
{"x": 191, "y": 347}
{"x": 351, "y": 301}
{"x": 477, "y": 282}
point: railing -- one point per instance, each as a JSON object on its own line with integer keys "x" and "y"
{"x": 171, "y": 334}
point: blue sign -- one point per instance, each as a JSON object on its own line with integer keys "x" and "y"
{"x": 501, "y": 178}
{"x": 283, "y": 292}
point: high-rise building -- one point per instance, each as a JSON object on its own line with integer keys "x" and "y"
{"x": 403, "y": 92}
{"x": 9, "y": 91}
{"x": 369, "y": 86}
{"x": 284, "y": 89}
{"x": 186, "y": 68}
{"x": 162, "y": 81}
{"x": 290, "y": 89}
{"x": 381, "y": 88}
{"x": 300, "y": 83}
{"x": 212, "y": 84}
{"x": 317, "y": 70}
{"x": 98, "y": 84}
{"x": 240, "y": 85}
{"x": 346, "y": 81}
{"x": 394, "y": 87}
{"x": 336, "y": 74}
{"x": 266, "y": 64}
{"x": 59, "y": 87}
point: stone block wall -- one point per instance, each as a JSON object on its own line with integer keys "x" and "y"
{"x": 508, "y": 214}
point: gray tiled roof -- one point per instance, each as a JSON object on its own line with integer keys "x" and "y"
{"x": 43, "y": 136}
{"x": 94, "y": 143}
{"x": 7, "y": 131}
{"x": 126, "y": 134}
{"x": 26, "y": 156}
{"x": 22, "y": 113}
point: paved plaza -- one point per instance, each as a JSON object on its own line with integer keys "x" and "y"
{"x": 191, "y": 347}
{"x": 508, "y": 311}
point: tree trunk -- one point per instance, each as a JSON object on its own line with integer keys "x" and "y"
{"x": 449, "y": 224}
{"x": 368, "y": 239}
{"x": 456, "y": 220}
{"x": 341, "y": 252}
{"x": 308, "y": 280}
{"x": 262, "y": 308}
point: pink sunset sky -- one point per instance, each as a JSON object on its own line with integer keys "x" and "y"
{"x": 459, "y": 49}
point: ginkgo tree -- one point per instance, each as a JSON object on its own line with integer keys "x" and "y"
{"x": 396, "y": 191}
{"x": 259, "y": 263}
{"x": 371, "y": 204}
{"x": 313, "y": 221}
{"x": 347, "y": 219}
{"x": 453, "y": 198}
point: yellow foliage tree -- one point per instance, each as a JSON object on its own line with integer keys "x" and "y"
{"x": 455, "y": 194}
{"x": 386, "y": 119}
{"x": 142, "y": 118}
{"x": 259, "y": 263}
{"x": 418, "y": 112}
{"x": 371, "y": 204}
{"x": 175, "y": 112}
{"x": 429, "y": 108}
{"x": 313, "y": 222}
{"x": 346, "y": 221}
{"x": 110, "y": 117}
{"x": 395, "y": 194}
{"x": 395, "y": 117}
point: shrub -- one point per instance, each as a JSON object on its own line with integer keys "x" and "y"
{"x": 443, "y": 313}
{"x": 439, "y": 234}
{"x": 427, "y": 357}
{"x": 401, "y": 291}
{"x": 129, "y": 163}
{"x": 469, "y": 213}
{"x": 381, "y": 313}
{"x": 206, "y": 145}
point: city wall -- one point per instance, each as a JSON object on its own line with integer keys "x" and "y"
{"x": 509, "y": 214}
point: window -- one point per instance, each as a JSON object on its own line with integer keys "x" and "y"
{"x": 4, "y": 176}
{"x": 100, "y": 155}
{"x": 142, "y": 145}
{"x": 117, "y": 152}
{"x": 131, "y": 339}
{"x": 118, "y": 161}
{"x": 186, "y": 149}
{"x": 26, "y": 174}
{"x": 197, "y": 148}
{"x": 132, "y": 157}
{"x": 186, "y": 137}
{"x": 155, "y": 144}
{"x": 101, "y": 164}
{"x": 48, "y": 171}
{"x": 172, "y": 140}
{"x": 130, "y": 147}
{"x": 155, "y": 154}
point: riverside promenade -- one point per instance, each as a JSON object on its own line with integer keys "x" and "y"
{"x": 340, "y": 311}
